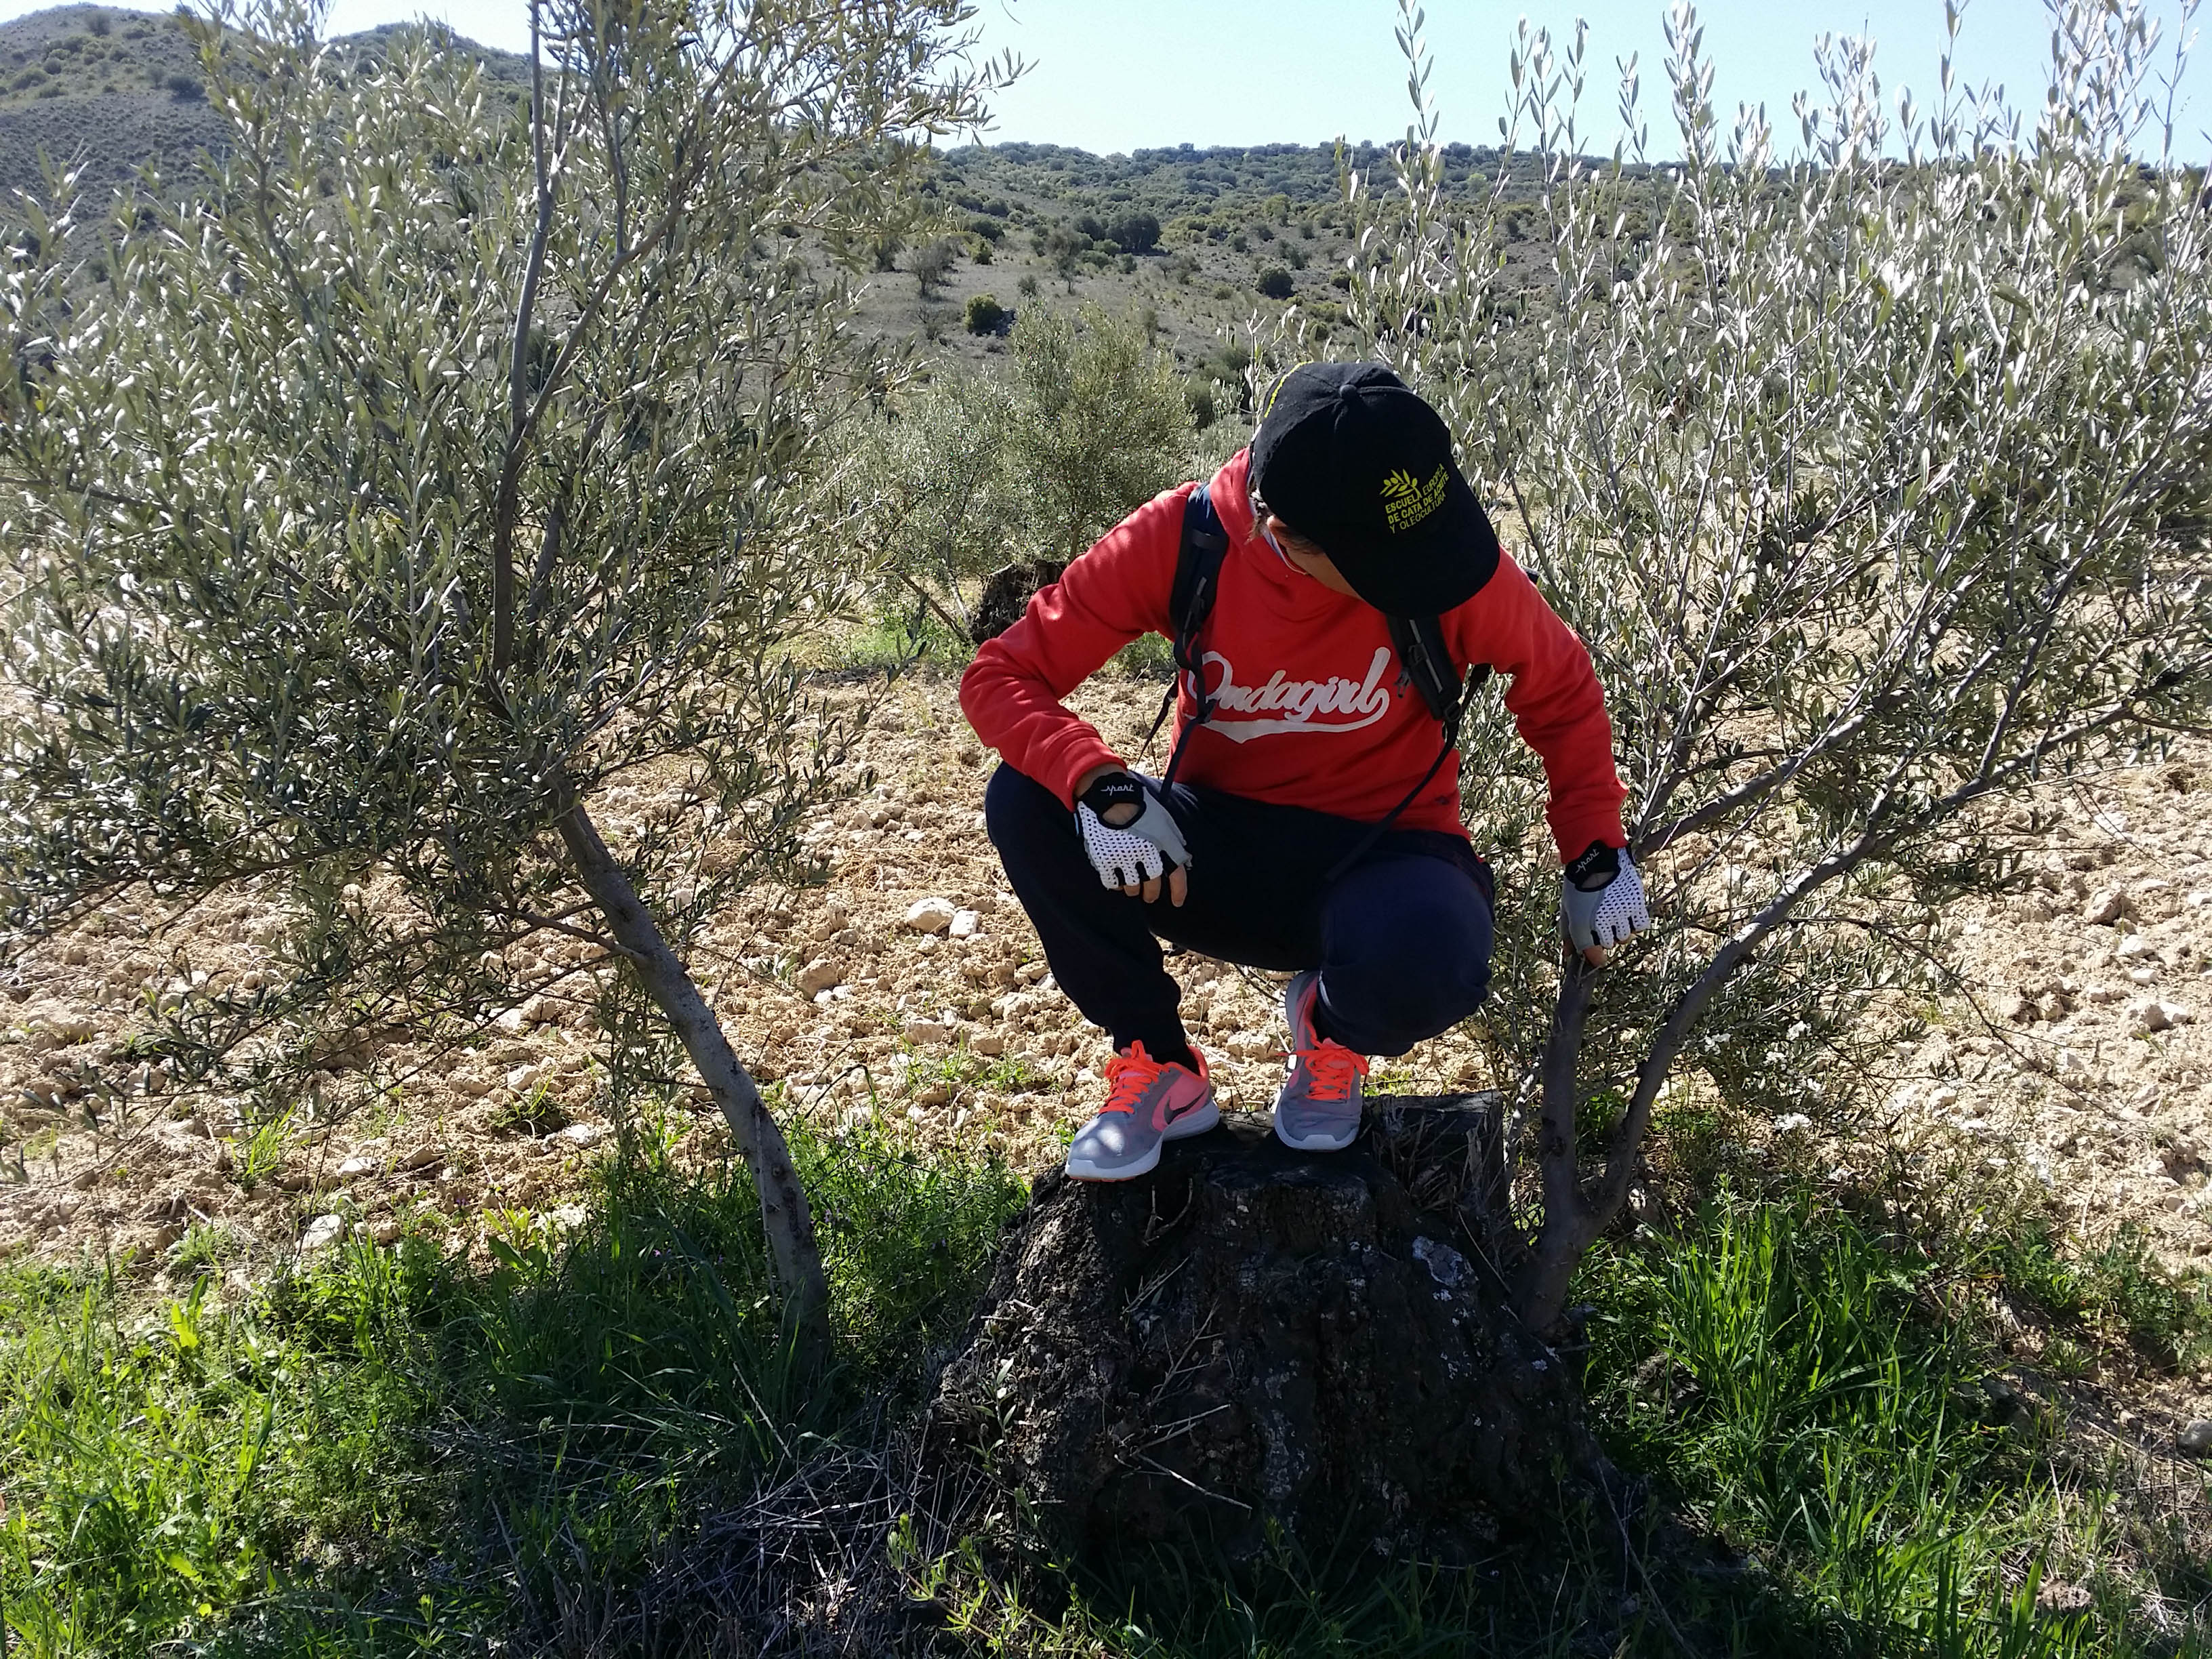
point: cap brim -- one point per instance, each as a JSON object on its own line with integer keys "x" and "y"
{"x": 1436, "y": 568}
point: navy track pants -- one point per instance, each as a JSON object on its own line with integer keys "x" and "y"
{"x": 1402, "y": 938}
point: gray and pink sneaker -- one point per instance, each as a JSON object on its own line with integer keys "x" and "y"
{"x": 1147, "y": 1102}
{"x": 1317, "y": 1109}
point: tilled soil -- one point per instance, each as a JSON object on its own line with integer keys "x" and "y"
{"x": 2076, "y": 1055}
{"x": 950, "y": 1030}
{"x": 2080, "y": 1052}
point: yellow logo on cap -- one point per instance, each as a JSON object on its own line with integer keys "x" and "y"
{"x": 1406, "y": 501}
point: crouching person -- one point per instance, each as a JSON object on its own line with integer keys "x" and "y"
{"x": 1327, "y": 593}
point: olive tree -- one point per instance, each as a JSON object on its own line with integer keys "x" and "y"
{"x": 1028, "y": 466}
{"x": 435, "y": 459}
{"x": 1875, "y": 476}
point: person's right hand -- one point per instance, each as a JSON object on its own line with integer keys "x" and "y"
{"x": 1133, "y": 841}
{"x": 1605, "y": 900}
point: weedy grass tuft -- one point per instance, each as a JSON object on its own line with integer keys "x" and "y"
{"x": 1148, "y": 656}
{"x": 384, "y": 1450}
{"x": 265, "y": 1149}
{"x": 1776, "y": 1370}
{"x": 2118, "y": 1286}
{"x": 893, "y": 638}
{"x": 1799, "y": 1384}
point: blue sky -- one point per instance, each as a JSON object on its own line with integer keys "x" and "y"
{"x": 1116, "y": 74}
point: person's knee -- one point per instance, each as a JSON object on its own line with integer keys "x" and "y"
{"x": 1015, "y": 807}
{"x": 1417, "y": 963}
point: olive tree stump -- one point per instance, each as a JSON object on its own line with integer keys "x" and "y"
{"x": 1006, "y": 593}
{"x": 1254, "y": 1340}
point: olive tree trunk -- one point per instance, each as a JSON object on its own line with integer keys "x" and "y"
{"x": 787, "y": 1221}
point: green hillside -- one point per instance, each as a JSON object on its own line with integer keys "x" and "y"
{"x": 1195, "y": 242}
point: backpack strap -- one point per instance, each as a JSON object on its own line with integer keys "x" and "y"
{"x": 1198, "y": 572}
{"x": 1197, "y": 581}
{"x": 1420, "y": 645}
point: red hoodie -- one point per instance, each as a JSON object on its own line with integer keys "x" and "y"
{"x": 1309, "y": 709}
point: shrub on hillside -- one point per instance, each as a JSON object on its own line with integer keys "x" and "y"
{"x": 1065, "y": 247}
{"x": 1085, "y": 423}
{"x": 984, "y": 314}
{"x": 930, "y": 263}
{"x": 1275, "y": 283}
{"x": 1137, "y": 233}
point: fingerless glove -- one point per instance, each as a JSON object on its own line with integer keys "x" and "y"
{"x": 1605, "y": 900}
{"x": 1128, "y": 854}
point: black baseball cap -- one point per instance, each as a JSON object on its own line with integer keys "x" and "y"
{"x": 1353, "y": 460}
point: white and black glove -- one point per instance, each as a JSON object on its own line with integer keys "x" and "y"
{"x": 1604, "y": 898}
{"x": 1145, "y": 847}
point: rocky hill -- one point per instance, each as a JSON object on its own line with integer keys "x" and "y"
{"x": 116, "y": 91}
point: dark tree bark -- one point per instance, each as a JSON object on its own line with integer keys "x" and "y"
{"x": 1253, "y": 1337}
{"x": 1006, "y": 594}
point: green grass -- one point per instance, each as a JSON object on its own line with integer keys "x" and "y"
{"x": 2118, "y": 1288}
{"x": 962, "y": 1067}
{"x": 1781, "y": 1377}
{"x": 1801, "y": 1387}
{"x": 398, "y": 1452}
{"x": 1829, "y": 1473}
{"x": 391, "y": 1451}
{"x": 894, "y": 638}
{"x": 1148, "y": 656}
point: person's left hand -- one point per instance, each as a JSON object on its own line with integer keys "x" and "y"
{"x": 1605, "y": 900}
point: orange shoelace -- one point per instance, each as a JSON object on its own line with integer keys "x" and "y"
{"x": 1128, "y": 1077}
{"x": 1335, "y": 1070}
